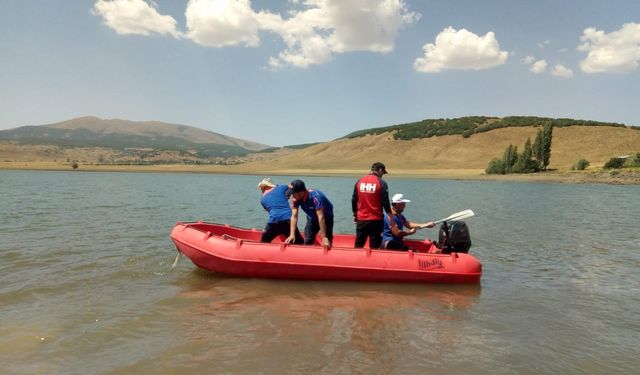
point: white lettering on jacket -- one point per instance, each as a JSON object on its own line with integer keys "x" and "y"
{"x": 367, "y": 187}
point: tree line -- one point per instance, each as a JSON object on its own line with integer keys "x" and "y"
{"x": 467, "y": 126}
{"x": 533, "y": 158}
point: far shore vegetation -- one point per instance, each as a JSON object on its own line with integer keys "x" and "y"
{"x": 467, "y": 126}
{"x": 440, "y": 148}
{"x": 534, "y": 158}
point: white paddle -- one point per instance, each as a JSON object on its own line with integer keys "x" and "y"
{"x": 457, "y": 216}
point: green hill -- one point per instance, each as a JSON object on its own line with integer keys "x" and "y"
{"x": 467, "y": 126}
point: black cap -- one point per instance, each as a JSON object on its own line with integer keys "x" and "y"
{"x": 297, "y": 186}
{"x": 378, "y": 166}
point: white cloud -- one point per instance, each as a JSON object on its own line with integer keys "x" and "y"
{"x": 460, "y": 50}
{"x": 539, "y": 66}
{"x": 616, "y": 52}
{"x": 562, "y": 71}
{"x": 528, "y": 60}
{"x": 134, "y": 17}
{"x": 543, "y": 44}
{"x": 326, "y": 27}
{"x": 313, "y": 32}
{"x": 220, "y": 23}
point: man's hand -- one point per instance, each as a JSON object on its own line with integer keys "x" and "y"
{"x": 326, "y": 243}
{"x": 429, "y": 225}
{"x": 411, "y": 231}
{"x": 289, "y": 240}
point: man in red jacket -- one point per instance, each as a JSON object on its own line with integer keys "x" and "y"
{"x": 370, "y": 197}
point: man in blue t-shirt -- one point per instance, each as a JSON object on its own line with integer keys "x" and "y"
{"x": 394, "y": 223}
{"x": 275, "y": 200}
{"x": 319, "y": 212}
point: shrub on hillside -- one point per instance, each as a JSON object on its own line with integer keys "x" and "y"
{"x": 496, "y": 166}
{"x": 614, "y": 163}
{"x": 580, "y": 165}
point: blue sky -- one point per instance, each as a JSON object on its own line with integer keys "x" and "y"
{"x": 289, "y": 72}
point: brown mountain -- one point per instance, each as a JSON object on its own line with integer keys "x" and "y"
{"x": 154, "y": 129}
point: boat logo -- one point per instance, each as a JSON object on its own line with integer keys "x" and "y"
{"x": 425, "y": 264}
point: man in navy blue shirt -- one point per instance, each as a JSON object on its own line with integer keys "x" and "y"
{"x": 275, "y": 200}
{"x": 394, "y": 223}
{"x": 319, "y": 212}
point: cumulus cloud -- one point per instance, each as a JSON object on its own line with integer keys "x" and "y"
{"x": 562, "y": 71}
{"x": 528, "y": 60}
{"x": 134, "y": 17}
{"x": 539, "y": 66}
{"x": 326, "y": 27}
{"x": 313, "y": 32}
{"x": 615, "y": 52}
{"x": 220, "y": 23}
{"x": 460, "y": 49}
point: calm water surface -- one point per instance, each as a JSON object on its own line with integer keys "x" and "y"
{"x": 86, "y": 285}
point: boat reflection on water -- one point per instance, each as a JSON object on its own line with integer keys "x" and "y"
{"x": 283, "y": 326}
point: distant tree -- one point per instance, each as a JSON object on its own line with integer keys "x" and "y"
{"x": 496, "y": 166}
{"x": 538, "y": 149}
{"x": 614, "y": 163}
{"x": 580, "y": 165}
{"x": 547, "y": 136}
{"x": 525, "y": 162}
{"x": 74, "y": 165}
{"x": 636, "y": 160}
{"x": 509, "y": 158}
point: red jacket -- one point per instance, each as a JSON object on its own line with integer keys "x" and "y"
{"x": 370, "y": 197}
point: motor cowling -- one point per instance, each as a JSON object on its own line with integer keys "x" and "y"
{"x": 454, "y": 237}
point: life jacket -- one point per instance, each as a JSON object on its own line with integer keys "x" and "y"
{"x": 369, "y": 193}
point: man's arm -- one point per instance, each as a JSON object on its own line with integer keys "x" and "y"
{"x": 411, "y": 224}
{"x": 323, "y": 228}
{"x": 397, "y": 232}
{"x": 293, "y": 226}
{"x": 354, "y": 202}
{"x": 385, "y": 196}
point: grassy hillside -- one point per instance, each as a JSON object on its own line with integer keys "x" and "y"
{"x": 467, "y": 143}
{"x": 594, "y": 143}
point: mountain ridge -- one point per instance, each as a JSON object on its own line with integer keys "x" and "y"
{"x": 118, "y": 133}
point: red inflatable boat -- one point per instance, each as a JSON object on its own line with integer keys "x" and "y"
{"x": 239, "y": 252}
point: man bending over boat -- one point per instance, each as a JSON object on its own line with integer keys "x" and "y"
{"x": 275, "y": 200}
{"x": 394, "y": 223}
{"x": 319, "y": 212}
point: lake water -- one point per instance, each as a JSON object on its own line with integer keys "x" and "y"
{"x": 86, "y": 285}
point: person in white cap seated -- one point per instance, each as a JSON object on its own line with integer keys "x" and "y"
{"x": 395, "y": 224}
{"x": 275, "y": 200}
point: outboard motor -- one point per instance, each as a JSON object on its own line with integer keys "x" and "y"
{"x": 454, "y": 237}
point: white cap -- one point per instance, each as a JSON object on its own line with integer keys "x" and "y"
{"x": 399, "y": 198}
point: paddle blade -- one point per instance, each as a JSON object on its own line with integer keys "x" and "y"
{"x": 457, "y": 216}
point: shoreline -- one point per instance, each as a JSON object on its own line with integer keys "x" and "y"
{"x": 599, "y": 176}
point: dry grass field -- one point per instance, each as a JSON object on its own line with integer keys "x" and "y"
{"x": 454, "y": 152}
{"x": 437, "y": 157}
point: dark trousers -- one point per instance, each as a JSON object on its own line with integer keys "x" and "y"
{"x": 313, "y": 227}
{"x": 396, "y": 245}
{"x": 371, "y": 229}
{"x": 273, "y": 230}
